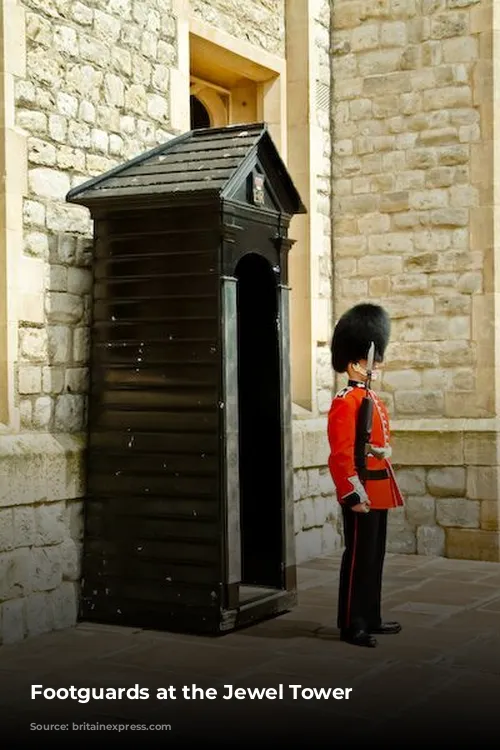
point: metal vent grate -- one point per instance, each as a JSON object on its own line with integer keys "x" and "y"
{"x": 322, "y": 96}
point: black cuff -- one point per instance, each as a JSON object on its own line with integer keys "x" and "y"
{"x": 352, "y": 499}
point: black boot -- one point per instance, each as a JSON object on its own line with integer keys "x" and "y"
{"x": 358, "y": 638}
{"x": 387, "y": 628}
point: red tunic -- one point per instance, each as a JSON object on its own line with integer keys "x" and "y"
{"x": 383, "y": 493}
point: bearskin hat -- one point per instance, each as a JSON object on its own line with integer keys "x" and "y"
{"x": 355, "y": 331}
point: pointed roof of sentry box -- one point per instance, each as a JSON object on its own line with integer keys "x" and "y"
{"x": 216, "y": 161}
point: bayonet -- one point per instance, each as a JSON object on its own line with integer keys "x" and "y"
{"x": 369, "y": 364}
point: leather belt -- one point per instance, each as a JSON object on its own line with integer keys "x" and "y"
{"x": 374, "y": 474}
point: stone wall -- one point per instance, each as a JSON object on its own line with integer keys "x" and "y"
{"x": 414, "y": 231}
{"x": 410, "y": 119}
{"x": 317, "y": 518}
{"x": 260, "y": 22}
{"x": 316, "y": 508}
{"x": 451, "y": 483}
{"x": 95, "y": 92}
{"x": 322, "y": 253}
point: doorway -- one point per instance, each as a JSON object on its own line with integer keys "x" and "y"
{"x": 259, "y": 396}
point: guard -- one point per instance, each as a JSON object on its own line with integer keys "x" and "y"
{"x": 358, "y": 434}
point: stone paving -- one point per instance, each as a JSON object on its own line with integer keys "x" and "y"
{"x": 437, "y": 680}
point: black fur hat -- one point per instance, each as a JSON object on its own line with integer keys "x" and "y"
{"x": 354, "y": 332}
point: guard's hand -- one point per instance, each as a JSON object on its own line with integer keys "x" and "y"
{"x": 361, "y": 507}
{"x": 379, "y": 452}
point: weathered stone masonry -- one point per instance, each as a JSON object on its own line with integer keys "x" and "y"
{"x": 94, "y": 93}
{"x": 413, "y": 194}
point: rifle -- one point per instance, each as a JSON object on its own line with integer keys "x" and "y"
{"x": 364, "y": 420}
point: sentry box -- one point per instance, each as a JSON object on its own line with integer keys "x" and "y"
{"x": 189, "y": 501}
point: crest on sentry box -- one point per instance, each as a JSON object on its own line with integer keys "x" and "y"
{"x": 258, "y": 189}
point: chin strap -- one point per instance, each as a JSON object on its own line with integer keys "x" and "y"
{"x": 361, "y": 370}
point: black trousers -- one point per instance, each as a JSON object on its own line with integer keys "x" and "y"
{"x": 360, "y": 586}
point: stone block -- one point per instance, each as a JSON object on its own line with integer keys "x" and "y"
{"x": 420, "y": 510}
{"x": 46, "y": 568}
{"x": 461, "y": 49}
{"x": 462, "y": 3}
{"x": 365, "y": 37}
{"x": 449, "y": 217}
{"x": 422, "y": 262}
{"x": 69, "y": 413}
{"x": 74, "y": 519}
{"x": 308, "y": 516}
{"x": 297, "y": 445}
{"x": 436, "y": 329}
{"x": 440, "y": 177}
{"x": 297, "y": 517}
{"x": 308, "y": 545}
{"x": 64, "y": 605}
{"x": 48, "y": 183}
{"x": 316, "y": 448}
{"x": 326, "y": 486}
{"x": 331, "y": 540}
{"x": 300, "y": 484}
{"x": 411, "y": 481}
{"x": 401, "y": 541}
{"x": 24, "y": 526}
{"x": 313, "y": 487}
{"x": 320, "y": 510}
{"x": 394, "y": 202}
{"x": 390, "y": 242}
{"x": 470, "y": 282}
{"x": 378, "y": 62}
{"x": 419, "y": 402}
{"x": 423, "y": 200}
{"x": 452, "y": 156}
{"x": 33, "y": 344}
{"x": 448, "y": 25}
{"x": 458, "y": 511}
{"x": 431, "y": 541}
{"x": 12, "y": 620}
{"x": 413, "y": 179}
{"x": 50, "y": 526}
{"x": 401, "y": 379}
{"x": 401, "y": 536}
{"x": 42, "y": 412}
{"x": 393, "y": 34}
{"x": 482, "y": 482}
{"x": 347, "y": 15}
{"x": 427, "y": 448}
{"x": 62, "y": 307}
{"x": 379, "y": 286}
{"x": 76, "y": 380}
{"x": 472, "y": 544}
{"x": 6, "y": 529}
{"x": 350, "y": 247}
{"x": 39, "y": 616}
{"x": 481, "y": 448}
{"x": 446, "y": 481}
{"x": 15, "y": 579}
{"x": 371, "y": 265}
{"x": 30, "y": 380}
{"x": 490, "y": 515}
{"x": 407, "y": 355}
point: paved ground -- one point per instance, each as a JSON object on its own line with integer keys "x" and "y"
{"x": 438, "y": 680}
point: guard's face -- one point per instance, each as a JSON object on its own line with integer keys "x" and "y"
{"x": 360, "y": 368}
